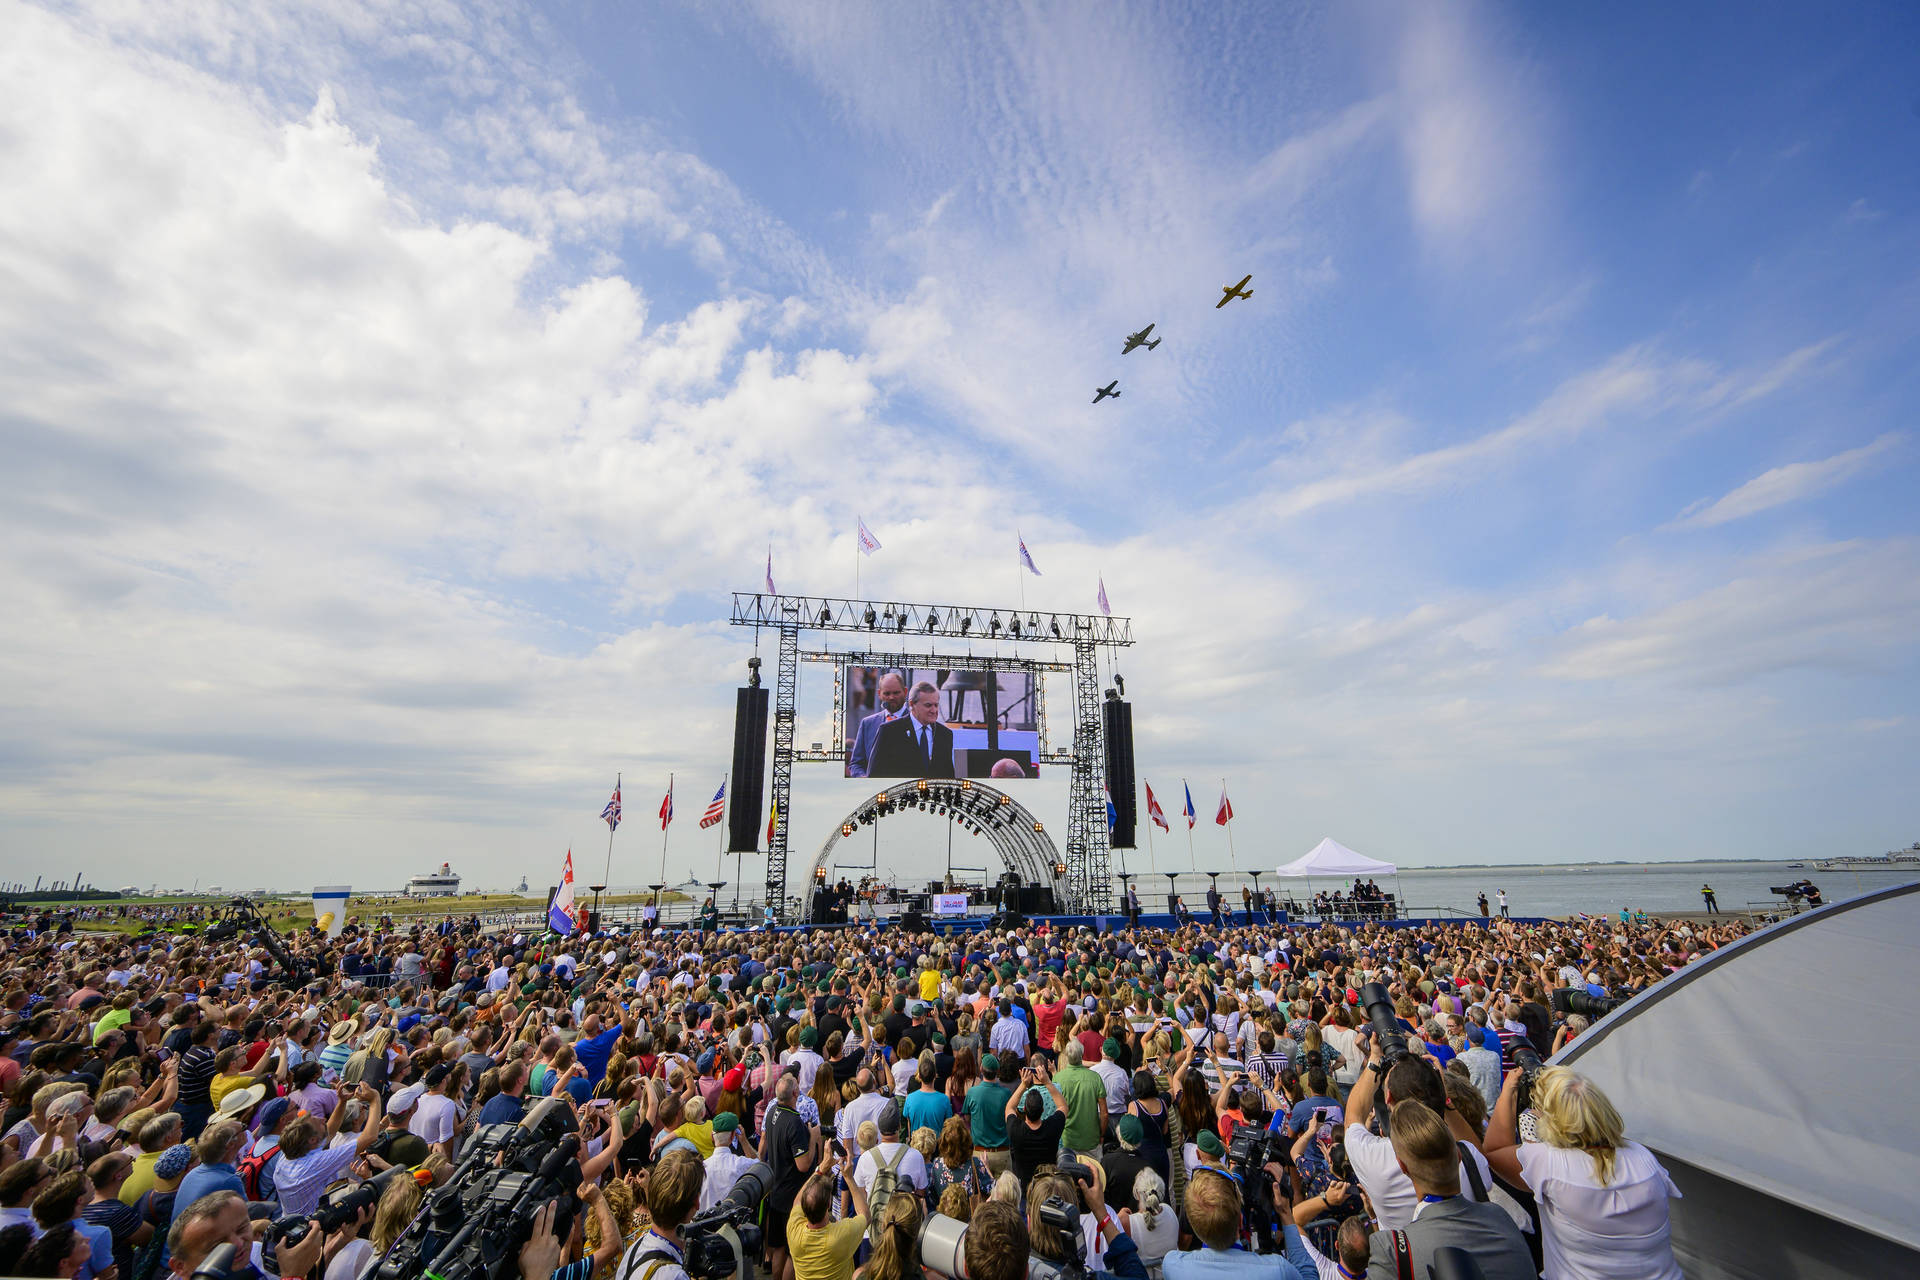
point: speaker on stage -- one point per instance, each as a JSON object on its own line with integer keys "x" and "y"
{"x": 749, "y": 775}
{"x": 913, "y": 921}
{"x": 1116, "y": 724}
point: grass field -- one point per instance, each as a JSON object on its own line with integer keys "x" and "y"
{"x": 290, "y": 913}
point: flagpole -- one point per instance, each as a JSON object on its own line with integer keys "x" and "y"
{"x": 1233, "y": 866}
{"x": 606, "y": 876}
{"x": 720, "y": 855}
{"x": 1020, "y": 570}
{"x": 666, "y": 828}
{"x": 1152, "y": 865}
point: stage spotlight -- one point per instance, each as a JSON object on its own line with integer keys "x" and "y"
{"x": 966, "y": 624}
{"x": 846, "y": 828}
{"x": 1056, "y": 628}
{"x": 1033, "y": 621}
{"x": 1059, "y": 868}
{"x": 820, "y": 873}
{"x": 1120, "y": 683}
{"x": 994, "y": 625}
{"x": 922, "y": 784}
{"x": 826, "y": 615}
{"x": 933, "y": 619}
{"x": 869, "y": 619}
{"x": 966, "y": 784}
{"x": 900, "y": 623}
{"x": 1039, "y": 826}
{"x": 1014, "y": 626}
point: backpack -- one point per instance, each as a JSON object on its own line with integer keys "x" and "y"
{"x": 886, "y": 1180}
{"x": 251, "y": 1167}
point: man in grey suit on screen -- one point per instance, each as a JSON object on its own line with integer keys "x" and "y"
{"x": 892, "y": 693}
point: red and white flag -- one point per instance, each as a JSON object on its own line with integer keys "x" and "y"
{"x": 1225, "y": 814}
{"x": 1153, "y": 809}
{"x": 666, "y": 805}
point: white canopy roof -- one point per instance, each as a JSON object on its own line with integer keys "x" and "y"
{"x": 1331, "y": 858}
{"x": 1782, "y": 1068}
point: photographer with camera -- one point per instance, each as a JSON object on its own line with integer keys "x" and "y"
{"x": 821, "y": 1248}
{"x": 1374, "y": 1164}
{"x": 1060, "y": 1208}
{"x": 1214, "y": 1214}
{"x": 673, "y": 1193}
{"x": 1426, "y": 1154}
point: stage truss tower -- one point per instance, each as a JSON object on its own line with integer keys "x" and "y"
{"x": 1089, "y": 888}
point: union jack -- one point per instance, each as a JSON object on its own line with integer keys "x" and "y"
{"x": 716, "y": 810}
{"x": 611, "y": 814}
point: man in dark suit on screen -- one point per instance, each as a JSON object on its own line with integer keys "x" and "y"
{"x": 917, "y": 745}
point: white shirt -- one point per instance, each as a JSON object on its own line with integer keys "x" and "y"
{"x": 723, "y": 1170}
{"x": 1119, "y": 1085}
{"x": 867, "y": 1106}
{"x": 809, "y": 1063}
{"x": 1010, "y": 1036}
{"x": 498, "y": 979}
{"x": 1392, "y": 1193}
{"x": 433, "y": 1118}
{"x": 1619, "y": 1231}
{"x": 912, "y": 1170}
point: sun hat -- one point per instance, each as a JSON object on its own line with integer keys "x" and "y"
{"x": 339, "y": 1032}
{"x": 238, "y": 1102}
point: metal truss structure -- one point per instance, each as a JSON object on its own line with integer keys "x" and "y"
{"x": 1086, "y": 886}
{"x": 1020, "y": 838}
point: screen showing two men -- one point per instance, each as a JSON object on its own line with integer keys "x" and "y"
{"x": 945, "y": 722}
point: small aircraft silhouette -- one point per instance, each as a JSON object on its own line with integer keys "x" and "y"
{"x": 1101, "y": 393}
{"x": 1140, "y": 340}
{"x": 1234, "y": 291}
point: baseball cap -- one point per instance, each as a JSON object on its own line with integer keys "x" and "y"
{"x": 403, "y": 1100}
{"x": 726, "y": 1122}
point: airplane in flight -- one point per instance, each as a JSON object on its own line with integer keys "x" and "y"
{"x": 1101, "y": 393}
{"x": 1234, "y": 291}
{"x": 1140, "y": 340}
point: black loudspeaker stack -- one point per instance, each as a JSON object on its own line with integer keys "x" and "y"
{"x": 593, "y": 922}
{"x": 749, "y": 777}
{"x": 1116, "y": 722}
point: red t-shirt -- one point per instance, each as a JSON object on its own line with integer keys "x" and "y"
{"x": 1048, "y": 1015}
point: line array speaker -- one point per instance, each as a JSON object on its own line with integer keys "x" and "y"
{"x": 1116, "y": 722}
{"x": 749, "y": 778}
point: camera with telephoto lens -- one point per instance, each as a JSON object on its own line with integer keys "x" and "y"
{"x": 725, "y": 1240}
{"x": 1528, "y": 1059}
{"x": 473, "y": 1226}
{"x": 1386, "y": 1028}
{"x": 1573, "y": 1000}
{"x": 1249, "y": 1152}
{"x": 1062, "y": 1217}
{"x": 333, "y": 1214}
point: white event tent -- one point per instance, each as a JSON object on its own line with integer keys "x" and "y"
{"x": 1331, "y": 858}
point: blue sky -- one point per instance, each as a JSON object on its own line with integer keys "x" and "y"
{"x": 395, "y": 391}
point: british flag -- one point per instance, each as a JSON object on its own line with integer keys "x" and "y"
{"x": 717, "y": 809}
{"x": 611, "y": 814}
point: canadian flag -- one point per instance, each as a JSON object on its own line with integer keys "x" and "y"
{"x": 1225, "y": 815}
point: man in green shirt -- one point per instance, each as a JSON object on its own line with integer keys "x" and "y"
{"x": 985, "y": 1108}
{"x": 1086, "y": 1095}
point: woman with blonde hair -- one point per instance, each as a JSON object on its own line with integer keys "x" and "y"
{"x": 398, "y": 1203}
{"x": 1155, "y": 1228}
{"x": 896, "y": 1242}
{"x": 1603, "y": 1199}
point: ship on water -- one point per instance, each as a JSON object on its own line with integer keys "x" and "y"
{"x": 439, "y": 884}
{"x": 1895, "y": 860}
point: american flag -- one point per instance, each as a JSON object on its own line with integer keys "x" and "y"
{"x": 666, "y": 805}
{"x": 716, "y": 810}
{"x": 611, "y": 814}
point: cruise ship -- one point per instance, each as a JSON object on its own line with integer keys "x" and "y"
{"x": 439, "y": 884}
{"x": 1894, "y": 861}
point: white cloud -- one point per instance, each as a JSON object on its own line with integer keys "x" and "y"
{"x": 1795, "y": 482}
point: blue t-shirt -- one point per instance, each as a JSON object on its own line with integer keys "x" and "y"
{"x": 593, "y": 1054}
{"x": 502, "y": 1108}
{"x": 926, "y": 1109}
{"x": 1303, "y": 1111}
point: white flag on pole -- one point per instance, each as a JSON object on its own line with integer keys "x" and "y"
{"x": 770, "y": 590}
{"x": 1104, "y": 606}
{"x": 868, "y": 543}
{"x": 1026, "y": 557}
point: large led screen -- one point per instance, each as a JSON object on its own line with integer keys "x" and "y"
{"x": 943, "y": 722}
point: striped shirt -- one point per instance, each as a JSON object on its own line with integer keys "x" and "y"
{"x": 196, "y": 1075}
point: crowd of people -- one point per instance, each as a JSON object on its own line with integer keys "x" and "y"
{"x": 1066, "y": 1095}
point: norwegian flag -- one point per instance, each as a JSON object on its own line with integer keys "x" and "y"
{"x": 1153, "y": 809}
{"x": 611, "y": 814}
{"x": 666, "y": 805}
{"x": 1225, "y": 813}
{"x": 717, "y": 809}
{"x": 1191, "y": 816}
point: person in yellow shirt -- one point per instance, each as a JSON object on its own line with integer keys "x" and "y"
{"x": 822, "y": 1250}
{"x": 155, "y": 1136}
{"x": 696, "y": 1128}
{"x": 226, "y": 1079}
{"x": 929, "y": 980}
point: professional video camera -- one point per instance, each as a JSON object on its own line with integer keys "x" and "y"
{"x": 333, "y": 1213}
{"x": 1251, "y": 1149}
{"x": 1386, "y": 1029}
{"x": 725, "y": 1240}
{"x": 1573, "y": 1000}
{"x": 240, "y": 916}
{"x": 472, "y": 1227}
{"x": 943, "y": 1244}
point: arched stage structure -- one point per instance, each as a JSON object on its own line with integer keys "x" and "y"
{"x": 1020, "y": 839}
